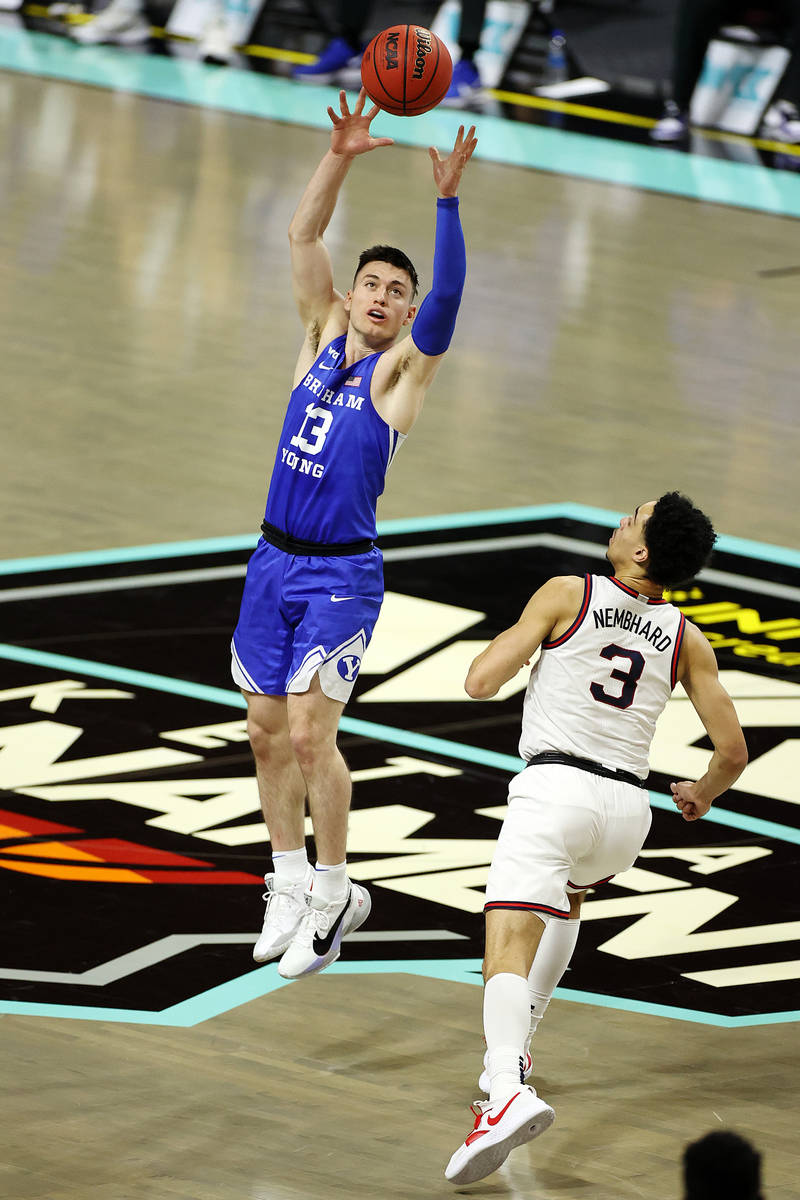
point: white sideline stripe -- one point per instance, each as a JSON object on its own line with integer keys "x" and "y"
{"x": 407, "y": 935}
{"x": 120, "y": 585}
{"x": 781, "y": 591}
{"x": 167, "y": 947}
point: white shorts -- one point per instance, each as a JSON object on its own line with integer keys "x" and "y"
{"x": 566, "y": 830}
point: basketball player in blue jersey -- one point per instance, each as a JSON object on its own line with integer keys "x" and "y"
{"x": 612, "y": 650}
{"x": 314, "y": 584}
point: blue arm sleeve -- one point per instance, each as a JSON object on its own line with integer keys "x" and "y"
{"x": 434, "y": 323}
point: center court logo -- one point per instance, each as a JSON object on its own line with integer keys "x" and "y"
{"x": 111, "y": 786}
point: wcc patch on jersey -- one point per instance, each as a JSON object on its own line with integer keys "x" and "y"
{"x": 129, "y": 812}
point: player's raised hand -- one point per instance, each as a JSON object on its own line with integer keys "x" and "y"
{"x": 350, "y": 134}
{"x": 447, "y": 172}
{"x": 691, "y": 805}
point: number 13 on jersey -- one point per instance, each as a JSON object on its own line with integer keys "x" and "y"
{"x": 316, "y": 432}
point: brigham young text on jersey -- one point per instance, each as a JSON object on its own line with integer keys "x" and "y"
{"x": 314, "y": 584}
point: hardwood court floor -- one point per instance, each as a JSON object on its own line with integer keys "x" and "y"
{"x": 611, "y": 345}
{"x": 358, "y": 1086}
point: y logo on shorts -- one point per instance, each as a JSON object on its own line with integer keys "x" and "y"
{"x": 347, "y": 666}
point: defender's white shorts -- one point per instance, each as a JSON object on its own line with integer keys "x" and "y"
{"x": 566, "y": 830}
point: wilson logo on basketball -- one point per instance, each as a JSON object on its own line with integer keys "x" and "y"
{"x": 424, "y": 48}
{"x": 392, "y": 58}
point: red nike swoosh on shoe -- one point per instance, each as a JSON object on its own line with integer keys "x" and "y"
{"x": 473, "y": 1137}
{"x": 502, "y": 1113}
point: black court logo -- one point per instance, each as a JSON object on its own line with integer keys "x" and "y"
{"x": 126, "y": 775}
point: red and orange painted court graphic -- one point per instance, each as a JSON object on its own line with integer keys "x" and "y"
{"x": 95, "y": 860}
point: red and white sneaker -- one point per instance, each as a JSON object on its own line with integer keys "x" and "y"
{"x": 498, "y": 1129}
{"x": 484, "y": 1083}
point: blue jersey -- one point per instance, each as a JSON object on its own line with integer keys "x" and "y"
{"x": 333, "y": 454}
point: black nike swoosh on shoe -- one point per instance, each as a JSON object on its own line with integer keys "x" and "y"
{"x": 323, "y": 944}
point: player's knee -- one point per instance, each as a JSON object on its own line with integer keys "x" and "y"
{"x": 502, "y": 960}
{"x": 499, "y": 951}
{"x": 268, "y": 740}
{"x": 308, "y": 744}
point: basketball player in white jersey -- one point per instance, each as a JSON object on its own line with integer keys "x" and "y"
{"x": 612, "y": 650}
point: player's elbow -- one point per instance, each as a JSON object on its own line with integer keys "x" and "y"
{"x": 739, "y": 755}
{"x": 300, "y": 234}
{"x": 734, "y": 753}
{"x": 478, "y": 686}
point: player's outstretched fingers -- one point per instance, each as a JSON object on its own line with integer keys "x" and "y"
{"x": 471, "y": 141}
{"x": 465, "y": 145}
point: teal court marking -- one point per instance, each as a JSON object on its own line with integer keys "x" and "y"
{"x": 738, "y": 185}
{"x": 501, "y": 516}
{"x": 261, "y": 982}
{"x": 424, "y": 742}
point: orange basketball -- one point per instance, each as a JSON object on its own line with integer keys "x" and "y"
{"x": 406, "y": 70}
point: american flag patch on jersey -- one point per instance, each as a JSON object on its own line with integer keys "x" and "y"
{"x": 354, "y": 382}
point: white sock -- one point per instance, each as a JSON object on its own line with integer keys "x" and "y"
{"x": 505, "y": 1023}
{"x": 291, "y": 866}
{"x": 552, "y": 959}
{"x": 330, "y": 882}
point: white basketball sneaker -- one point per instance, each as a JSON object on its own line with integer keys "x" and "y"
{"x": 498, "y": 1129}
{"x": 216, "y": 45}
{"x": 286, "y": 908}
{"x": 484, "y": 1083}
{"x": 318, "y": 941}
{"x": 122, "y": 22}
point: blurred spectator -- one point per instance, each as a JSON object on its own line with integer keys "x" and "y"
{"x": 721, "y": 1166}
{"x": 697, "y": 22}
{"x": 344, "y": 50}
{"x": 345, "y": 46}
{"x": 125, "y": 22}
{"x": 230, "y": 23}
{"x": 122, "y": 22}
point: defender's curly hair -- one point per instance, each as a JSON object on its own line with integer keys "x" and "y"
{"x": 395, "y": 258}
{"x": 679, "y": 540}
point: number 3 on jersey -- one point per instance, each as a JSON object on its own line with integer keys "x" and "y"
{"x": 317, "y": 432}
{"x": 629, "y": 678}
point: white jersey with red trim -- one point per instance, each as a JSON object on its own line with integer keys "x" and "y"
{"x": 597, "y": 691}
